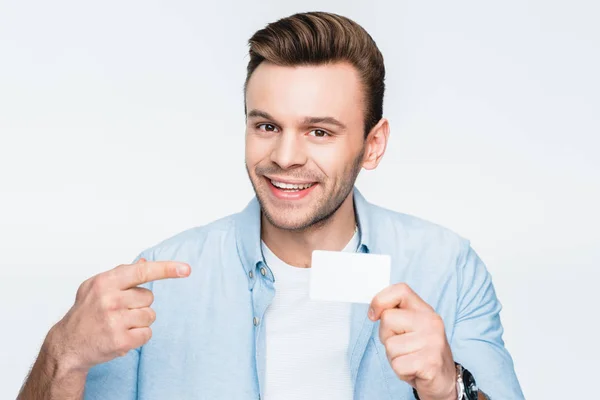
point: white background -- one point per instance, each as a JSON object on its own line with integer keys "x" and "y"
{"x": 121, "y": 123}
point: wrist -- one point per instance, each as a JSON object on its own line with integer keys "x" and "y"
{"x": 54, "y": 375}
{"x": 57, "y": 359}
{"x": 451, "y": 392}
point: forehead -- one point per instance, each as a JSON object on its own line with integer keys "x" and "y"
{"x": 332, "y": 90}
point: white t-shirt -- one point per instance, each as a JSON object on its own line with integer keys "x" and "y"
{"x": 306, "y": 341}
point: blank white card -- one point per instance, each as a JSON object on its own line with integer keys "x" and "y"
{"x": 348, "y": 277}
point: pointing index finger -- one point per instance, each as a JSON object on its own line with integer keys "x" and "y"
{"x": 399, "y": 295}
{"x": 147, "y": 271}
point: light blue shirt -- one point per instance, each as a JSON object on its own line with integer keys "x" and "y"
{"x": 208, "y": 340}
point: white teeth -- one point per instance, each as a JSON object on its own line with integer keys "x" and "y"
{"x": 291, "y": 186}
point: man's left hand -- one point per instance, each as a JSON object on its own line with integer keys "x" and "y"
{"x": 415, "y": 342}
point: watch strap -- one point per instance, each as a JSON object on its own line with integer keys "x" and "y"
{"x": 465, "y": 385}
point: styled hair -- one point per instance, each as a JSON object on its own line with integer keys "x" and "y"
{"x": 316, "y": 38}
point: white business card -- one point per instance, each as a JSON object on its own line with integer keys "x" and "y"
{"x": 348, "y": 277}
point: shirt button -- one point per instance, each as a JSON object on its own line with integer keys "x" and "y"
{"x": 263, "y": 271}
{"x": 251, "y": 274}
{"x": 255, "y": 321}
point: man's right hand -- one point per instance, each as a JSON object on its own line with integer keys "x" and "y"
{"x": 111, "y": 315}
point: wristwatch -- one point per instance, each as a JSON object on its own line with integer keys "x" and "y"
{"x": 465, "y": 385}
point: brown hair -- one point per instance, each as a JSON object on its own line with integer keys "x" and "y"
{"x": 315, "y": 38}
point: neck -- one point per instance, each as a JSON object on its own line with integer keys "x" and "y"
{"x": 296, "y": 247}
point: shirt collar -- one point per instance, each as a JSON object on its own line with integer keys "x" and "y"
{"x": 363, "y": 211}
{"x": 247, "y": 230}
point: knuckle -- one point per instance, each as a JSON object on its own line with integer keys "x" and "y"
{"x": 121, "y": 344}
{"x": 398, "y": 365}
{"x": 392, "y": 342}
{"x": 428, "y": 365}
{"x": 108, "y": 302}
{"x": 82, "y": 290}
{"x": 388, "y": 353}
{"x": 402, "y": 287}
{"x": 112, "y": 324}
{"x": 117, "y": 271}
{"x": 386, "y": 317}
{"x": 98, "y": 284}
{"x": 389, "y": 347}
{"x": 141, "y": 272}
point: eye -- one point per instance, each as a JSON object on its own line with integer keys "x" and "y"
{"x": 319, "y": 133}
{"x": 267, "y": 128}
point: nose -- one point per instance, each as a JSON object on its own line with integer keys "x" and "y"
{"x": 289, "y": 151}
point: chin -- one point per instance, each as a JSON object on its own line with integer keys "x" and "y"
{"x": 290, "y": 220}
{"x": 292, "y": 216}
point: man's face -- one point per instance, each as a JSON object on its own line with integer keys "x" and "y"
{"x": 304, "y": 140}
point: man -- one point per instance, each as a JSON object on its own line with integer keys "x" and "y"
{"x": 242, "y": 325}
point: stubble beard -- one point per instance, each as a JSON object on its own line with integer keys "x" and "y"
{"x": 326, "y": 206}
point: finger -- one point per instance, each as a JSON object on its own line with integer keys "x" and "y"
{"x": 139, "y": 336}
{"x": 401, "y": 345}
{"x": 137, "y": 297}
{"x": 407, "y": 367}
{"x": 399, "y": 295}
{"x": 139, "y": 317}
{"x": 141, "y": 260}
{"x": 136, "y": 274}
{"x": 396, "y": 321}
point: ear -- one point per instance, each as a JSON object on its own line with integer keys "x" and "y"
{"x": 376, "y": 143}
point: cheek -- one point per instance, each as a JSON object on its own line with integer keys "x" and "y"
{"x": 334, "y": 161}
{"x": 256, "y": 149}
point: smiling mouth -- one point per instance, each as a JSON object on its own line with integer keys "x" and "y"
{"x": 291, "y": 187}
{"x": 287, "y": 191}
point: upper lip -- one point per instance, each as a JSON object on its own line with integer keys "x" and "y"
{"x": 287, "y": 180}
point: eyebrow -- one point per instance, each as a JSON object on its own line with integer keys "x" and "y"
{"x": 324, "y": 120}
{"x": 260, "y": 114}
{"x": 307, "y": 120}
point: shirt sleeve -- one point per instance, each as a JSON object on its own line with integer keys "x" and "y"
{"x": 118, "y": 378}
{"x": 477, "y": 342}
